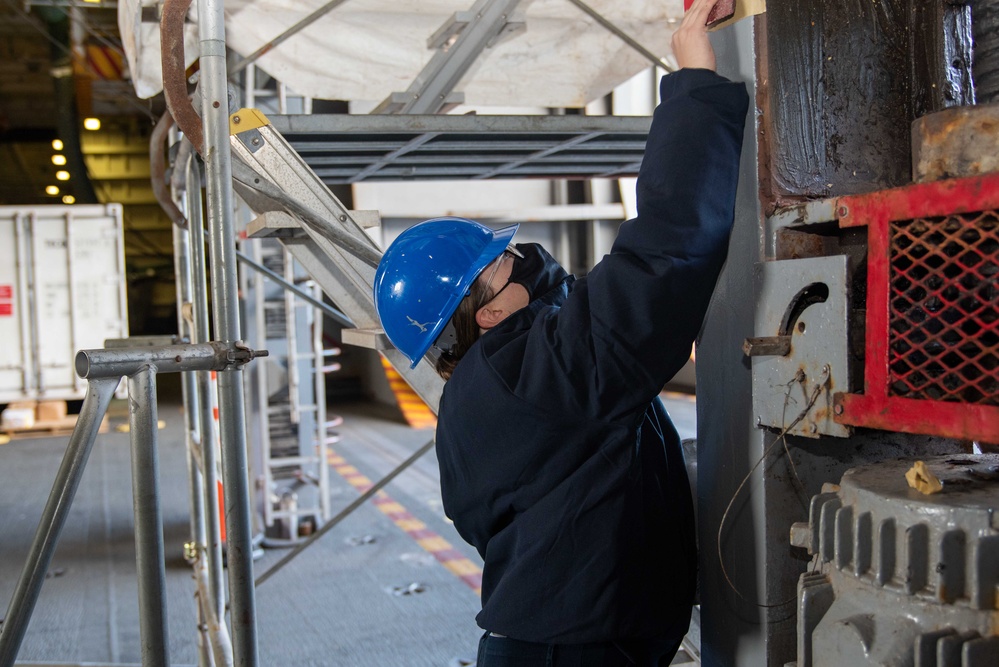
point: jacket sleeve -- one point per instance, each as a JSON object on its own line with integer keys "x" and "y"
{"x": 627, "y": 327}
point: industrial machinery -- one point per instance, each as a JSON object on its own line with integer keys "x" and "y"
{"x": 899, "y": 577}
{"x": 880, "y": 310}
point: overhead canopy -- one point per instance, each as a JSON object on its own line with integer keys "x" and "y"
{"x": 369, "y": 49}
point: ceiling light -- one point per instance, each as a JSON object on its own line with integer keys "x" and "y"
{"x": 52, "y": 190}
{"x": 62, "y": 175}
{"x": 57, "y": 144}
{"x": 91, "y": 123}
{"x": 68, "y": 199}
{"x": 59, "y": 160}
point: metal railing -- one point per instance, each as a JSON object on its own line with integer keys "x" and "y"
{"x": 103, "y": 370}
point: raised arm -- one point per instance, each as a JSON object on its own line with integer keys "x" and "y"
{"x": 632, "y": 320}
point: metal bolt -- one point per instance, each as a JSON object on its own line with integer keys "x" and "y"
{"x": 255, "y": 141}
{"x": 343, "y": 218}
{"x": 235, "y": 120}
{"x": 838, "y": 409}
{"x": 759, "y": 421}
{"x": 177, "y": 358}
{"x": 216, "y": 104}
{"x": 843, "y": 211}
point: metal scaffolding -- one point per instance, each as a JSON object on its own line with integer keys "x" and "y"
{"x": 243, "y": 152}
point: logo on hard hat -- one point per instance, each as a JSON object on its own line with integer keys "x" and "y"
{"x": 421, "y": 327}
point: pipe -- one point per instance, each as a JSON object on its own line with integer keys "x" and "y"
{"x": 116, "y": 363}
{"x": 214, "y": 647}
{"x": 189, "y": 386}
{"x": 150, "y": 562}
{"x": 218, "y": 633}
{"x": 174, "y": 72}
{"x": 206, "y": 390}
{"x": 222, "y": 248}
{"x": 67, "y": 481}
{"x": 328, "y": 310}
{"x": 157, "y": 166}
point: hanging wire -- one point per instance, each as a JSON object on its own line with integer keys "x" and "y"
{"x": 781, "y": 438}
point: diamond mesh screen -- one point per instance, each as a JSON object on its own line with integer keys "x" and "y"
{"x": 944, "y": 300}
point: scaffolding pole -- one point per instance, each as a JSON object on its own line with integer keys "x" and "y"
{"x": 222, "y": 249}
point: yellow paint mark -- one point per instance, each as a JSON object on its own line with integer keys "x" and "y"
{"x": 391, "y": 508}
{"x": 414, "y": 410}
{"x": 410, "y": 524}
{"x": 435, "y": 543}
{"x": 462, "y": 567}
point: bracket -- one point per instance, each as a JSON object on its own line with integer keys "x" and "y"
{"x": 802, "y": 345}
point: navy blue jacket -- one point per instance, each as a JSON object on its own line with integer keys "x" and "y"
{"x": 558, "y": 461}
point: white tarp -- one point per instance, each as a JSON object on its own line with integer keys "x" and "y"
{"x": 142, "y": 47}
{"x": 368, "y": 49}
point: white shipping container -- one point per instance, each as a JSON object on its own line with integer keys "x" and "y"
{"x": 62, "y": 289}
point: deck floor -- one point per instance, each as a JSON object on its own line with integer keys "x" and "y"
{"x": 338, "y": 603}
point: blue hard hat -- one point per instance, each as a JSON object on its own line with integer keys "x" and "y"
{"x": 425, "y": 274}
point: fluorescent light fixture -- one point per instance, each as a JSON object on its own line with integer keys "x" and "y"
{"x": 57, "y": 144}
{"x": 68, "y": 199}
{"x": 62, "y": 175}
{"x": 91, "y": 123}
{"x": 59, "y": 160}
{"x": 52, "y": 190}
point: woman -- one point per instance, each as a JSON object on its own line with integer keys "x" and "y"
{"x": 558, "y": 461}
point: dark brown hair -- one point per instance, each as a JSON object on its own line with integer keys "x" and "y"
{"x": 466, "y": 330}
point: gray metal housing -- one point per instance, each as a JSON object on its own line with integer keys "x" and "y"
{"x": 899, "y": 577}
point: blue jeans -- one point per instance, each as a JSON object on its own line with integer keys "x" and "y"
{"x": 506, "y": 652}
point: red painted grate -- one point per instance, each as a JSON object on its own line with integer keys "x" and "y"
{"x": 931, "y": 336}
{"x": 944, "y": 307}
